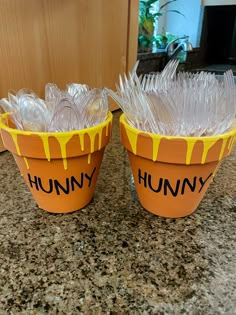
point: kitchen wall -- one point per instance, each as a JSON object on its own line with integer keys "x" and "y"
{"x": 190, "y": 24}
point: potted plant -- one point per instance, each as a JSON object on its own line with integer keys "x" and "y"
{"x": 148, "y": 15}
{"x": 163, "y": 39}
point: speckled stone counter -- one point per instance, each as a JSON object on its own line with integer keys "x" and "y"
{"x": 113, "y": 257}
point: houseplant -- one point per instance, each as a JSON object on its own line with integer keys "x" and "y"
{"x": 148, "y": 16}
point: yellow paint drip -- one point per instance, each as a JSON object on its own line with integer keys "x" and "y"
{"x": 46, "y": 147}
{"x": 63, "y": 141}
{"x": 133, "y": 134}
{"x": 190, "y": 146}
{"x": 100, "y": 139}
{"x": 92, "y": 136}
{"x": 26, "y": 163}
{"x": 89, "y": 158}
{"x": 155, "y": 148}
{"x": 206, "y": 148}
{"x": 92, "y": 141}
{"x": 133, "y": 137}
{"x": 222, "y": 148}
{"x": 81, "y": 139}
{"x": 14, "y": 138}
{"x": 107, "y": 128}
{"x": 230, "y": 145}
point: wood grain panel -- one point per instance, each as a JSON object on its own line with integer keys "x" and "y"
{"x": 132, "y": 34}
{"x": 63, "y": 41}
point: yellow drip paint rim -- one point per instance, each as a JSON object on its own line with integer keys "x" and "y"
{"x": 231, "y": 133}
{"x": 62, "y": 134}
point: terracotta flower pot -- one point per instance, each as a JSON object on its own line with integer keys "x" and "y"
{"x": 60, "y": 168}
{"x": 172, "y": 174}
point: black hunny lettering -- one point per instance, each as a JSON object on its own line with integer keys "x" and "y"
{"x": 59, "y": 187}
{"x": 179, "y": 187}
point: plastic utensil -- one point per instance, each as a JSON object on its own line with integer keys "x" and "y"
{"x": 65, "y": 117}
{"x": 33, "y": 114}
{"x": 183, "y": 104}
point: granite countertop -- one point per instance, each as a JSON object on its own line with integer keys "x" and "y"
{"x": 114, "y": 257}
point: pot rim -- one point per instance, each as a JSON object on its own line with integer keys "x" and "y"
{"x": 61, "y": 134}
{"x": 231, "y": 133}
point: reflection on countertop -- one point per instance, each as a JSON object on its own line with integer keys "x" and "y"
{"x": 113, "y": 257}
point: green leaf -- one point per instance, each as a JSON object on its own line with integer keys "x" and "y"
{"x": 147, "y": 4}
{"x": 165, "y": 4}
{"x": 157, "y": 14}
{"x": 145, "y": 41}
{"x": 150, "y": 2}
{"x": 148, "y": 25}
{"x": 143, "y": 3}
{"x": 175, "y": 11}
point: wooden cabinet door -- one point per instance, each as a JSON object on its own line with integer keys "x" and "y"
{"x": 63, "y": 41}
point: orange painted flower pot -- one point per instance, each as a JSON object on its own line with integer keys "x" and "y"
{"x": 172, "y": 174}
{"x": 60, "y": 168}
